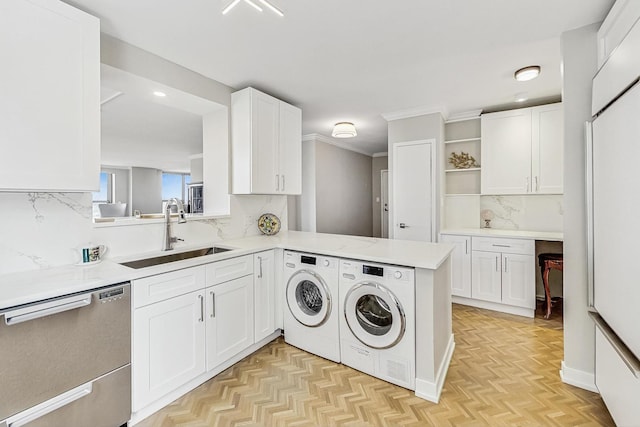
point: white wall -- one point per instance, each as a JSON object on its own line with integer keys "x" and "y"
{"x": 579, "y": 58}
{"x": 146, "y": 190}
{"x": 307, "y": 201}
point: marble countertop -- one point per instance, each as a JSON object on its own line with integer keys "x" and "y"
{"x": 26, "y": 287}
{"x": 554, "y": 236}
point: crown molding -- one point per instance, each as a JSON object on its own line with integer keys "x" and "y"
{"x": 414, "y": 112}
{"x": 316, "y": 137}
{"x": 465, "y": 115}
{"x": 381, "y": 154}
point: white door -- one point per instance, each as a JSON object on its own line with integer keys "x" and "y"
{"x": 460, "y": 264}
{"x": 384, "y": 203}
{"x": 290, "y": 148}
{"x": 486, "y": 280}
{"x": 413, "y": 191}
{"x": 264, "y": 294}
{"x": 229, "y": 319}
{"x": 506, "y": 152}
{"x": 265, "y": 133}
{"x": 547, "y": 140}
{"x": 169, "y": 346}
{"x": 519, "y": 280}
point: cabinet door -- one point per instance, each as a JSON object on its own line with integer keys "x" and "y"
{"x": 460, "y": 264}
{"x": 290, "y": 149}
{"x": 547, "y": 149}
{"x": 265, "y": 130}
{"x": 168, "y": 346}
{"x": 506, "y": 152}
{"x": 518, "y": 280}
{"x": 50, "y": 86}
{"x": 229, "y": 319}
{"x": 264, "y": 294}
{"x": 485, "y": 276}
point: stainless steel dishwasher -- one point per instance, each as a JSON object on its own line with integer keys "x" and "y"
{"x": 66, "y": 361}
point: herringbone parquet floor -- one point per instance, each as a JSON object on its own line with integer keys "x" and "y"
{"x": 504, "y": 372}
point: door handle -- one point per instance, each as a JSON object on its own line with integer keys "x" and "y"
{"x": 277, "y": 182}
{"x": 201, "y": 298}
{"x": 46, "y": 309}
{"x": 260, "y": 267}
{"x": 403, "y": 225}
{"x": 213, "y": 304}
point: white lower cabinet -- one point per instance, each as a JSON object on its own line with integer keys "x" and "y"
{"x": 493, "y": 272}
{"x": 229, "y": 319}
{"x": 168, "y": 346}
{"x": 264, "y": 294}
{"x": 460, "y": 264}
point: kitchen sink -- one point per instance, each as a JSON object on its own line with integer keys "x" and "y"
{"x": 163, "y": 259}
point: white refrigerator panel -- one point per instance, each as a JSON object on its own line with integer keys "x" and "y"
{"x": 616, "y": 217}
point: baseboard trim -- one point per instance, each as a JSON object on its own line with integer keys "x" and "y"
{"x": 431, "y": 390}
{"x": 577, "y": 378}
{"x": 494, "y": 306}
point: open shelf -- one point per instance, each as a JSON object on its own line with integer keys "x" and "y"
{"x": 462, "y": 170}
{"x": 455, "y": 141}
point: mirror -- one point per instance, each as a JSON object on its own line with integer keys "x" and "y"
{"x": 151, "y": 145}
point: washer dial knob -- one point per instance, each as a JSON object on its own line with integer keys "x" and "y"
{"x": 397, "y": 274}
{"x": 326, "y": 263}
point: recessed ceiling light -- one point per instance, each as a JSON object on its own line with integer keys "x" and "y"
{"x": 527, "y": 73}
{"x": 344, "y": 130}
{"x": 253, "y": 4}
{"x": 521, "y": 97}
{"x": 272, "y": 7}
{"x": 159, "y": 94}
{"x": 230, "y": 6}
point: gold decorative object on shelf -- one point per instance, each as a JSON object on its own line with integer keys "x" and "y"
{"x": 463, "y": 160}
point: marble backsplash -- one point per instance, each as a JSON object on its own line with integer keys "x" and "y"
{"x": 40, "y": 230}
{"x": 526, "y": 212}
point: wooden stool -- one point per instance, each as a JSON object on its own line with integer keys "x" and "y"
{"x": 547, "y": 262}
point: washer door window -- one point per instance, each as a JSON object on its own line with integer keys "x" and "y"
{"x": 374, "y": 315}
{"x": 308, "y": 298}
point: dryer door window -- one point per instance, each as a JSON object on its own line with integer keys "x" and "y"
{"x": 374, "y": 315}
{"x": 308, "y": 298}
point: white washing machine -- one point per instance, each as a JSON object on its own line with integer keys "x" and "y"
{"x": 311, "y": 310}
{"x": 377, "y": 320}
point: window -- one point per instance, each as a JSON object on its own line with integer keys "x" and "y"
{"x": 174, "y": 185}
{"x": 106, "y": 192}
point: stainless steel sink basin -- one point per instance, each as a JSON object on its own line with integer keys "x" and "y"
{"x": 163, "y": 259}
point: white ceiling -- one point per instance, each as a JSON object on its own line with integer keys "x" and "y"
{"x": 358, "y": 59}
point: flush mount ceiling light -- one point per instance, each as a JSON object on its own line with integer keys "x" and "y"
{"x": 253, "y": 4}
{"x": 527, "y": 73}
{"x": 344, "y": 130}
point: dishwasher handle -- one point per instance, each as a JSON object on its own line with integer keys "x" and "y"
{"x": 44, "y": 309}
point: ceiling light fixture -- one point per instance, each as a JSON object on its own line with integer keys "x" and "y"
{"x": 159, "y": 94}
{"x": 253, "y": 4}
{"x": 527, "y": 73}
{"x": 344, "y": 130}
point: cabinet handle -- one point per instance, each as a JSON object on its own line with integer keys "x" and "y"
{"x": 500, "y": 246}
{"x": 213, "y": 304}
{"x": 282, "y": 182}
{"x": 506, "y": 261}
{"x": 466, "y": 247}
{"x": 277, "y": 182}
{"x": 526, "y": 185}
{"x": 497, "y": 269}
{"x": 260, "y": 267}
{"x": 537, "y": 185}
{"x": 201, "y": 308}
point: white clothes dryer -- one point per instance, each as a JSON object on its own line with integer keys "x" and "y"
{"x": 377, "y": 321}
{"x": 311, "y": 312}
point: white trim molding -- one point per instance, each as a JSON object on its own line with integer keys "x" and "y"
{"x": 465, "y": 115}
{"x": 429, "y": 390}
{"x": 316, "y": 137}
{"x": 381, "y": 154}
{"x": 414, "y": 112}
{"x": 577, "y": 378}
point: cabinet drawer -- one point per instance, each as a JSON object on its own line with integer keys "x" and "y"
{"x": 168, "y": 285}
{"x": 229, "y": 269}
{"x": 504, "y": 245}
{"x": 617, "y": 384}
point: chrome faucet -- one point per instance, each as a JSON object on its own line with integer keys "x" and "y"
{"x": 168, "y": 239}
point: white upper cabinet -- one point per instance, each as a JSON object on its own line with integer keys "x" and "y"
{"x": 50, "y": 103}
{"x": 522, "y": 151}
{"x": 266, "y": 139}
